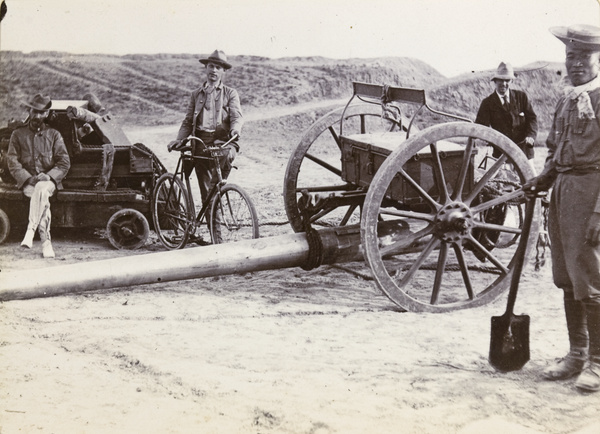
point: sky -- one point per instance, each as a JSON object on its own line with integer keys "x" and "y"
{"x": 453, "y": 36}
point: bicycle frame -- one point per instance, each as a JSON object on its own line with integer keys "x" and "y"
{"x": 188, "y": 154}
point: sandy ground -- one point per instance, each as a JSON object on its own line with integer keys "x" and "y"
{"x": 284, "y": 351}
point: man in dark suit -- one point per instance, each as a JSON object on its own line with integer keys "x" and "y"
{"x": 509, "y": 112}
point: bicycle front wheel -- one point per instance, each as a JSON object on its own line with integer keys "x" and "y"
{"x": 232, "y": 216}
{"x": 172, "y": 212}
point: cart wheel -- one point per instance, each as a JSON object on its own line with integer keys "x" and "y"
{"x": 233, "y": 216}
{"x": 4, "y": 226}
{"x": 437, "y": 260}
{"x": 127, "y": 229}
{"x": 315, "y": 165}
{"x": 172, "y": 212}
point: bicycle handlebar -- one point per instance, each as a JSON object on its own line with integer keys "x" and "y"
{"x": 183, "y": 147}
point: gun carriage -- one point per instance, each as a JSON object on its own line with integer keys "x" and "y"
{"x": 435, "y": 212}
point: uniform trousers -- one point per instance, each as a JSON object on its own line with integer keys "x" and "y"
{"x": 575, "y": 263}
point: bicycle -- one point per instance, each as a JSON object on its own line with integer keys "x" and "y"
{"x": 228, "y": 210}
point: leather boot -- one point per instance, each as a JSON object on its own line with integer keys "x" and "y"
{"x": 567, "y": 367}
{"x": 574, "y": 362}
{"x": 589, "y": 379}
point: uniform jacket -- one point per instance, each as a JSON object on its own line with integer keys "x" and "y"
{"x": 227, "y": 104}
{"x": 46, "y": 146}
{"x": 574, "y": 143}
{"x": 574, "y": 155}
{"x": 519, "y": 122}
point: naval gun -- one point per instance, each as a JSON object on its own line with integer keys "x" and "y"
{"x": 436, "y": 213}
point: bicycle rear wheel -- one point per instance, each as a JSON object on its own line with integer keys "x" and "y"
{"x": 172, "y": 212}
{"x": 232, "y": 216}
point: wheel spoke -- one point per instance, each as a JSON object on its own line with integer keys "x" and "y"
{"x": 406, "y": 241}
{"x": 508, "y": 197}
{"x": 408, "y": 214}
{"x": 495, "y": 227}
{"x": 439, "y": 273}
{"x": 462, "y": 177}
{"x": 477, "y": 245}
{"x": 485, "y": 178}
{"x": 439, "y": 177}
{"x": 434, "y": 204}
{"x": 324, "y": 164}
{"x": 336, "y": 138}
{"x": 433, "y": 243}
{"x": 464, "y": 270}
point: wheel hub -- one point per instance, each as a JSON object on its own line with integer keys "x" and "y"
{"x": 453, "y": 222}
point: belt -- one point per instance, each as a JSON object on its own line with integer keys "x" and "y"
{"x": 579, "y": 170}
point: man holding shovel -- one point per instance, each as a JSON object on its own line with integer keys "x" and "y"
{"x": 573, "y": 168}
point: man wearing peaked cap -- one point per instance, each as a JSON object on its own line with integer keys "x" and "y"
{"x": 38, "y": 160}
{"x": 509, "y": 112}
{"x": 213, "y": 113}
{"x": 573, "y": 169}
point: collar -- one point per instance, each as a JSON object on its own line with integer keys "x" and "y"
{"x": 39, "y": 130}
{"x": 501, "y": 97}
{"x": 575, "y": 91}
{"x": 218, "y": 86}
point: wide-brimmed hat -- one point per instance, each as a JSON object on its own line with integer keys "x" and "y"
{"x": 504, "y": 71}
{"x": 578, "y": 35}
{"x": 217, "y": 57}
{"x": 39, "y": 102}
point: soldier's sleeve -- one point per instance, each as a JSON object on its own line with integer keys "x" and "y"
{"x": 13, "y": 156}
{"x": 236, "y": 119}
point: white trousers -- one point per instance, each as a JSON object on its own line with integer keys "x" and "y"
{"x": 39, "y": 207}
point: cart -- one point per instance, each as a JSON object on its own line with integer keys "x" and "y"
{"x": 439, "y": 214}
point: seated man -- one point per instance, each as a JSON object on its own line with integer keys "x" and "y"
{"x": 38, "y": 160}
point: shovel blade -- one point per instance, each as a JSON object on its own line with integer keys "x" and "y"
{"x": 509, "y": 344}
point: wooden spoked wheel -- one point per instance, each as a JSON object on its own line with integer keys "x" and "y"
{"x": 451, "y": 246}
{"x": 4, "y": 226}
{"x": 316, "y": 167}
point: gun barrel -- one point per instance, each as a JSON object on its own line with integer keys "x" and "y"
{"x": 284, "y": 251}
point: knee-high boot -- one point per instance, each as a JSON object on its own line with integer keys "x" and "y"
{"x": 589, "y": 379}
{"x": 574, "y": 362}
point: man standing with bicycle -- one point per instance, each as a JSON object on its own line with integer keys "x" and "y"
{"x": 214, "y": 113}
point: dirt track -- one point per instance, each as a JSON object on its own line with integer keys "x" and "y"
{"x": 287, "y": 351}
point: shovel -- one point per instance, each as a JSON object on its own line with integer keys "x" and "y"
{"x": 509, "y": 345}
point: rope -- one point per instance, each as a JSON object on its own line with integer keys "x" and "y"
{"x": 543, "y": 240}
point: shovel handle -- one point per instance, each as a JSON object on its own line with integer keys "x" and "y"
{"x": 521, "y": 249}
